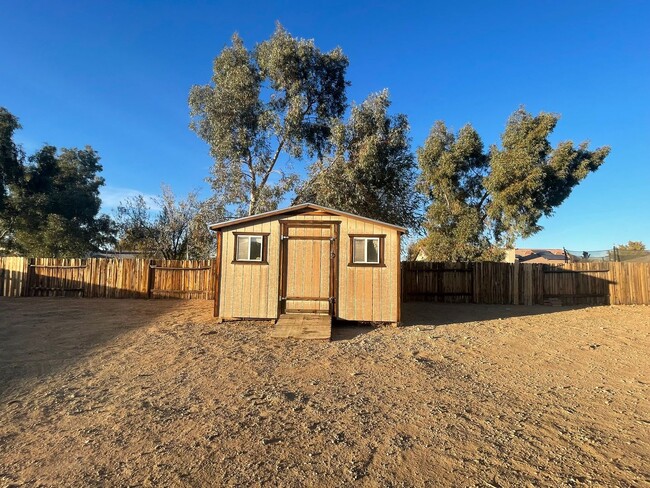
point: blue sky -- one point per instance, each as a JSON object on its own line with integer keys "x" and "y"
{"x": 116, "y": 75}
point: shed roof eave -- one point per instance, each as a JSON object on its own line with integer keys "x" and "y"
{"x": 302, "y": 206}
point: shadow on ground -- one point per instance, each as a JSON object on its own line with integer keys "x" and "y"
{"x": 345, "y": 331}
{"x": 434, "y": 314}
{"x": 40, "y": 336}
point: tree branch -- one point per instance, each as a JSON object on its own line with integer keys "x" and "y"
{"x": 480, "y": 209}
{"x": 482, "y": 200}
{"x": 249, "y": 163}
{"x": 273, "y": 161}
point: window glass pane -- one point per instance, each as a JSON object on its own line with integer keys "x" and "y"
{"x": 358, "y": 250}
{"x": 256, "y": 248}
{"x": 373, "y": 251}
{"x": 242, "y": 248}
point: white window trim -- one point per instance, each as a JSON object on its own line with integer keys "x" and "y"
{"x": 248, "y": 240}
{"x": 365, "y": 250}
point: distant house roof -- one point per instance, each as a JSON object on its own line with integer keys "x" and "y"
{"x": 303, "y": 207}
{"x": 540, "y": 255}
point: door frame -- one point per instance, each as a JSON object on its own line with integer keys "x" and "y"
{"x": 334, "y": 226}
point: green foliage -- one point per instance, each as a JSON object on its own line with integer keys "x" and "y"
{"x": 275, "y": 100}
{"x": 11, "y": 164}
{"x": 11, "y": 154}
{"x": 372, "y": 169}
{"x": 481, "y": 202}
{"x": 632, "y": 251}
{"x": 133, "y": 224}
{"x": 632, "y": 246}
{"x": 49, "y": 206}
{"x": 452, "y": 171}
{"x": 168, "y": 228}
{"x": 59, "y": 204}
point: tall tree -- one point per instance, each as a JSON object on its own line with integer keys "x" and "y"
{"x": 372, "y": 169}
{"x": 481, "y": 202}
{"x": 59, "y": 205}
{"x": 11, "y": 170}
{"x": 262, "y": 106}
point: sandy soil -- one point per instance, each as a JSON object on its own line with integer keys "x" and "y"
{"x": 155, "y": 393}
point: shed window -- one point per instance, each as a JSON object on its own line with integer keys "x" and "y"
{"x": 249, "y": 248}
{"x": 366, "y": 250}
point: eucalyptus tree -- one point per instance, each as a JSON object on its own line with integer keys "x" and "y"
{"x": 371, "y": 170}
{"x": 480, "y": 202}
{"x": 263, "y": 110}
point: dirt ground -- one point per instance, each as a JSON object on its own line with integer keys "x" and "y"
{"x": 155, "y": 393}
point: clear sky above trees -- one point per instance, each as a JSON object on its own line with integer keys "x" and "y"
{"x": 116, "y": 76}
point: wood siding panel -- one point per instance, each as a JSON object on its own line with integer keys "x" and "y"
{"x": 250, "y": 290}
{"x": 368, "y": 293}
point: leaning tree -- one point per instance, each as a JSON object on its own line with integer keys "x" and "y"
{"x": 480, "y": 202}
{"x": 264, "y": 109}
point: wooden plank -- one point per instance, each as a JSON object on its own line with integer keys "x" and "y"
{"x": 13, "y": 276}
{"x": 181, "y": 268}
{"x": 54, "y": 266}
{"x": 217, "y": 273}
{"x": 303, "y": 326}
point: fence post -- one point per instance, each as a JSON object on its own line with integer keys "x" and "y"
{"x": 150, "y": 277}
{"x": 474, "y": 267}
{"x": 611, "y": 282}
{"x": 541, "y": 291}
{"x": 515, "y": 283}
{"x": 28, "y": 272}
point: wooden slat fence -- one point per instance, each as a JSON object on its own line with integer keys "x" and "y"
{"x": 499, "y": 283}
{"x": 13, "y": 272}
{"x": 527, "y": 284}
{"x": 182, "y": 279}
{"x": 107, "y": 278}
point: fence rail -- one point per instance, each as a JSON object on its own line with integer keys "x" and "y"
{"x": 107, "y": 278}
{"x": 527, "y": 284}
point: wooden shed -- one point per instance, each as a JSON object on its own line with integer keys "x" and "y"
{"x": 308, "y": 259}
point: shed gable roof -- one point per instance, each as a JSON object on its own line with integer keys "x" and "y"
{"x": 303, "y": 207}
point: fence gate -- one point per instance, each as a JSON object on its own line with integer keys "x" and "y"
{"x": 55, "y": 277}
{"x": 438, "y": 282}
{"x": 180, "y": 279}
{"x": 576, "y": 284}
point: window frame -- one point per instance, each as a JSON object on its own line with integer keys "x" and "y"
{"x": 366, "y": 237}
{"x": 264, "y": 257}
